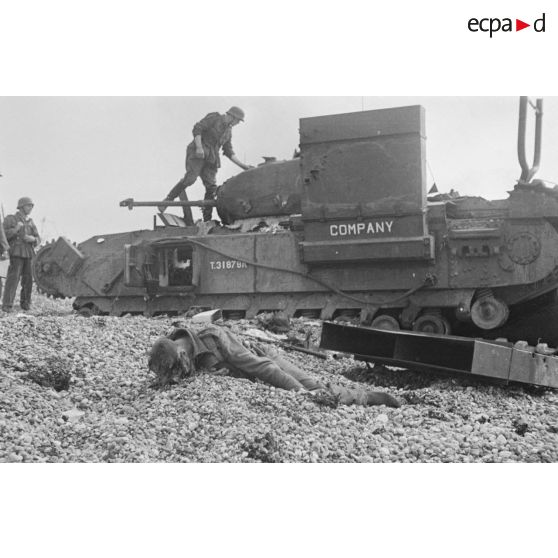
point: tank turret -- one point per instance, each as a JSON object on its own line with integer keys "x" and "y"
{"x": 271, "y": 189}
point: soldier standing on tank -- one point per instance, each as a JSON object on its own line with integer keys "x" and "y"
{"x": 212, "y": 133}
{"x": 23, "y": 236}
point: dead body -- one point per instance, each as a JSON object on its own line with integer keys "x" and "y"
{"x": 183, "y": 352}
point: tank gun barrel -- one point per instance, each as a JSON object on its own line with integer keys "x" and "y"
{"x": 130, "y": 203}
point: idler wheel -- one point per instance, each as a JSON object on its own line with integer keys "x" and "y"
{"x": 430, "y": 323}
{"x": 489, "y": 313}
{"x": 447, "y": 326}
{"x": 385, "y": 322}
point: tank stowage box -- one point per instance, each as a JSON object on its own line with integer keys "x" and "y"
{"x": 364, "y": 186}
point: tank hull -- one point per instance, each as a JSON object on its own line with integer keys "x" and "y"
{"x": 245, "y": 274}
{"x": 349, "y": 234}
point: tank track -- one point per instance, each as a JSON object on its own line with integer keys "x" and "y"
{"x": 531, "y": 322}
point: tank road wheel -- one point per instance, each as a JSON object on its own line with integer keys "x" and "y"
{"x": 89, "y": 310}
{"x": 384, "y": 321}
{"x": 447, "y": 326}
{"x": 430, "y": 323}
{"x": 489, "y": 313}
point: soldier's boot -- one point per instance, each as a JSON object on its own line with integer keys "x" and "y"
{"x": 207, "y": 213}
{"x": 163, "y": 208}
{"x": 186, "y": 210}
{"x": 174, "y": 193}
{"x": 210, "y": 195}
{"x": 359, "y": 396}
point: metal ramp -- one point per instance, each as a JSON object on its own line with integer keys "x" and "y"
{"x": 500, "y": 360}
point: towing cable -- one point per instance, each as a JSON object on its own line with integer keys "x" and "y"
{"x": 429, "y": 280}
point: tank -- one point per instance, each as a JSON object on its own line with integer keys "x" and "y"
{"x": 345, "y": 230}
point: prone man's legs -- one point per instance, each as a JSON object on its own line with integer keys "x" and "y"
{"x": 346, "y": 396}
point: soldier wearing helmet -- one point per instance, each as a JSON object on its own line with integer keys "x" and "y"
{"x": 23, "y": 237}
{"x": 4, "y": 247}
{"x": 212, "y": 133}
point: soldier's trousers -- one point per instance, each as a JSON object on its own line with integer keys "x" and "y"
{"x": 19, "y": 268}
{"x": 196, "y": 168}
{"x": 271, "y": 368}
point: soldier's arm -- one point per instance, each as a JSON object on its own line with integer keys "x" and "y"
{"x": 228, "y": 152}
{"x": 4, "y": 246}
{"x": 12, "y": 227}
{"x": 238, "y": 162}
{"x": 36, "y": 235}
{"x": 254, "y": 366}
{"x": 200, "y": 127}
{"x": 199, "y": 146}
{"x": 205, "y": 123}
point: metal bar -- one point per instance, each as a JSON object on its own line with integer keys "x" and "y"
{"x": 528, "y": 172}
{"x": 290, "y": 347}
{"x": 317, "y": 354}
{"x": 521, "y": 138}
{"x": 538, "y": 139}
{"x": 491, "y": 359}
{"x": 418, "y": 350}
{"x": 130, "y": 203}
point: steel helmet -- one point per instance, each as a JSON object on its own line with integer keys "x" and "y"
{"x": 237, "y": 113}
{"x": 24, "y": 201}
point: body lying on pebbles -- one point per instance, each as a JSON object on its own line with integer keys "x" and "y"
{"x": 99, "y": 406}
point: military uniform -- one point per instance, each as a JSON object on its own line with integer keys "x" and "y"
{"x": 215, "y": 348}
{"x": 4, "y": 246}
{"x": 21, "y": 257}
{"x": 216, "y": 134}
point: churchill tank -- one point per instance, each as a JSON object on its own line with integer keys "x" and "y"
{"x": 345, "y": 229}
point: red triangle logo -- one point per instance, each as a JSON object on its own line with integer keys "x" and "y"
{"x": 519, "y": 25}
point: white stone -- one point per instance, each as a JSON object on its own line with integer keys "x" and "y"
{"x": 207, "y": 317}
{"x": 505, "y": 454}
{"x": 73, "y": 415}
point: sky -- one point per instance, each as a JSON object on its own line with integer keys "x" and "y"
{"x": 78, "y": 157}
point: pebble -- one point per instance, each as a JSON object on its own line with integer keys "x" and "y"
{"x": 505, "y": 454}
{"x": 73, "y": 415}
{"x": 112, "y": 415}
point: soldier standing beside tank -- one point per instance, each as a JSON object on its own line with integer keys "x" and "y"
{"x": 4, "y": 247}
{"x": 23, "y": 236}
{"x": 212, "y": 133}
